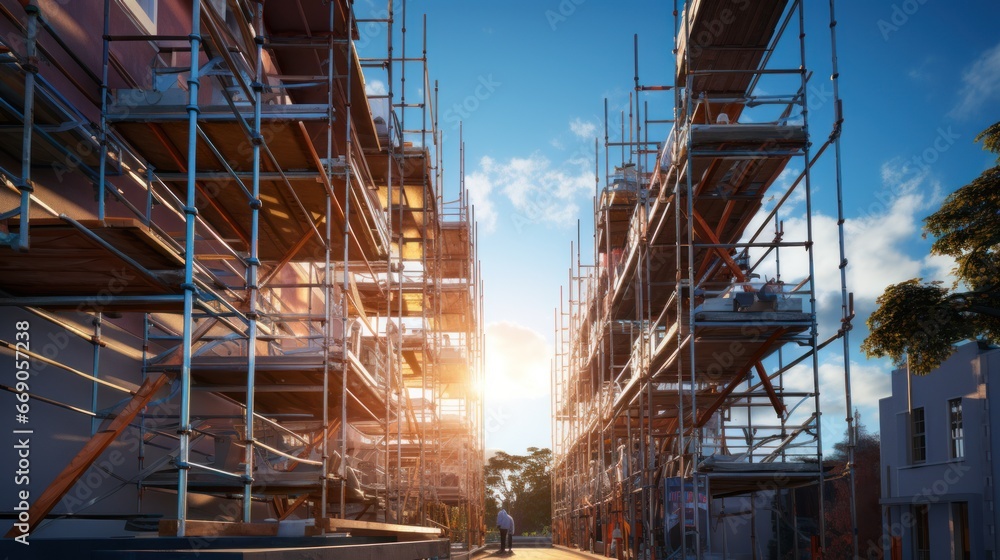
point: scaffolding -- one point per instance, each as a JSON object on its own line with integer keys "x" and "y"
{"x": 238, "y": 242}
{"x": 689, "y": 351}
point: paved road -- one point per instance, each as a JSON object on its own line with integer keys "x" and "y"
{"x": 533, "y": 554}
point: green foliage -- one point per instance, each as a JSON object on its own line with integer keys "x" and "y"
{"x": 915, "y": 320}
{"x": 523, "y": 482}
{"x": 921, "y": 320}
{"x": 991, "y": 139}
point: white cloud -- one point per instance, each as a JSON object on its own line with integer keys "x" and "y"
{"x": 480, "y": 188}
{"x": 980, "y": 84}
{"x": 517, "y": 362}
{"x": 869, "y": 383}
{"x": 918, "y": 74}
{"x": 940, "y": 267}
{"x": 880, "y": 247}
{"x": 924, "y": 71}
{"x": 878, "y": 238}
{"x": 582, "y": 128}
{"x": 375, "y": 87}
{"x": 539, "y": 191}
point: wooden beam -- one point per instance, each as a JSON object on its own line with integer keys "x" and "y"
{"x": 174, "y": 356}
{"x": 754, "y": 359}
{"x": 335, "y": 206}
{"x": 298, "y": 502}
{"x": 280, "y": 504}
{"x": 198, "y": 528}
{"x": 290, "y": 254}
{"x": 730, "y": 204}
{"x": 371, "y": 528}
{"x": 707, "y": 231}
{"x": 181, "y": 162}
{"x": 779, "y": 406}
{"x": 65, "y": 480}
{"x": 363, "y": 512}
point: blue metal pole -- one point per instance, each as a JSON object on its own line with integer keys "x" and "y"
{"x": 346, "y": 286}
{"x": 328, "y": 280}
{"x": 190, "y": 213}
{"x": 103, "y": 138}
{"x": 813, "y": 334}
{"x": 253, "y": 265}
{"x": 94, "y": 421}
{"x": 30, "y": 66}
{"x": 847, "y": 311}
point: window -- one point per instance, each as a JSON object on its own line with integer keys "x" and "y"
{"x": 918, "y": 446}
{"x": 955, "y": 432}
{"x": 143, "y": 12}
{"x": 960, "y": 521}
{"x": 921, "y": 531}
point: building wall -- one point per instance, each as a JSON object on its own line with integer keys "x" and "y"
{"x": 941, "y": 481}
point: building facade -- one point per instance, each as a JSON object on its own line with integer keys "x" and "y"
{"x": 938, "y": 490}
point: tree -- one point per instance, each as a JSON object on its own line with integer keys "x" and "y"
{"x": 524, "y": 483}
{"x": 918, "y": 321}
{"x": 803, "y": 509}
{"x": 868, "y": 489}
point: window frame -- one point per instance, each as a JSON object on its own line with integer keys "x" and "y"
{"x": 960, "y": 522}
{"x": 921, "y": 531}
{"x": 956, "y": 443}
{"x": 915, "y": 436}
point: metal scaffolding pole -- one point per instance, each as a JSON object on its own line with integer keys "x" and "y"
{"x": 190, "y": 213}
{"x": 253, "y": 268}
{"x": 846, "y": 299}
{"x": 328, "y": 280}
{"x": 393, "y": 364}
{"x": 30, "y": 67}
{"x": 346, "y": 285}
{"x": 427, "y": 364}
{"x": 798, "y": 6}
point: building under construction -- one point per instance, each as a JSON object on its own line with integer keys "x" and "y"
{"x": 689, "y": 348}
{"x": 239, "y": 302}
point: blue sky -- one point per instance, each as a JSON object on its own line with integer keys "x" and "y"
{"x": 528, "y": 79}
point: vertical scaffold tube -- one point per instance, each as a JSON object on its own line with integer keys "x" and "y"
{"x": 253, "y": 268}
{"x": 96, "y": 341}
{"x": 846, "y": 311}
{"x": 103, "y": 134}
{"x": 327, "y": 281}
{"x": 30, "y": 66}
{"x": 683, "y": 447}
{"x": 813, "y": 334}
{"x": 423, "y": 309}
{"x": 399, "y": 273}
{"x": 346, "y": 286}
{"x": 190, "y": 216}
{"x": 394, "y": 366}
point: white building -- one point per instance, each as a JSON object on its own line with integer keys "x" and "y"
{"x": 938, "y": 477}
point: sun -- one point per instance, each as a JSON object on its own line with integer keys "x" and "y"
{"x": 518, "y": 363}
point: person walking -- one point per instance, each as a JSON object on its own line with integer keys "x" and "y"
{"x": 505, "y": 523}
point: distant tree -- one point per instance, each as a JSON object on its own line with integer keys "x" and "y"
{"x": 523, "y": 482}
{"x": 919, "y": 321}
{"x": 868, "y": 489}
